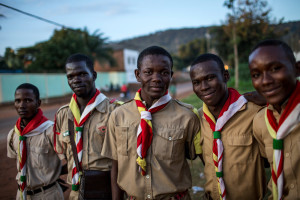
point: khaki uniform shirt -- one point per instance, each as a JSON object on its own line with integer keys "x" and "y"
{"x": 94, "y": 131}
{"x": 167, "y": 172}
{"x": 242, "y": 165}
{"x": 291, "y": 153}
{"x": 43, "y": 165}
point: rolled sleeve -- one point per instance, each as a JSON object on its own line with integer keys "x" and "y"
{"x": 109, "y": 149}
{"x": 57, "y": 141}
{"x": 11, "y": 153}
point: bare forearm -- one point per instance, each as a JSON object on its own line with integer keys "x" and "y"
{"x": 117, "y": 193}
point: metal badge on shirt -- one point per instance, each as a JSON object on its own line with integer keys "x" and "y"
{"x": 67, "y": 133}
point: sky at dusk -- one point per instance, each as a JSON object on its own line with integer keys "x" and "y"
{"x": 117, "y": 19}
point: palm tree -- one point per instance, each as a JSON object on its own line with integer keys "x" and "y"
{"x": 97, "y": 46}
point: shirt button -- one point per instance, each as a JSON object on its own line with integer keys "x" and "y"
{"x": 170, "y": 138}
{"x": 287, "y": 154}
{"x": 148, "y": 196}
{"x": 147, "y": 176}
{"x": 292, "y": 186}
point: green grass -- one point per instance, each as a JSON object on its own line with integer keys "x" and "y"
{"x": 197, "y": 168}
{"x": 193, "y": 100}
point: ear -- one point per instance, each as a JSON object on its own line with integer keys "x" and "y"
{"x": 226, "y": 76}
{"x": 172, "y": 73}
{"x": 94, "y": 75}
{"x": 137, "y": 73}
{"x": 39, "y": 103}
{"x": 298, "y": 68}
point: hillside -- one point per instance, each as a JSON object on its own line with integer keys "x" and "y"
{"x": 171, "y": 39}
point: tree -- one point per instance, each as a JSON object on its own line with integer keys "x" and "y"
{"x": 230, "y": 5}
{"x": 12, "y": 61}
{"x": 50, "y": 56}
{"x": 188, "y": 52}
{"x": 1, "y": 16}
{"x": 96, "y": 45}
{"x": 248, "y": 23}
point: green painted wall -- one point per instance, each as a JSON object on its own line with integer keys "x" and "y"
{"x": 51, "y": 85}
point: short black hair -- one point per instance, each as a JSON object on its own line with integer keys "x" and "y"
{"x": 30, "y": 87}
{"x": 153, "y": 50}
{"x": 77, "y": 57}
{"x": 272, "y": 42}
{"x": 207, "y": 57}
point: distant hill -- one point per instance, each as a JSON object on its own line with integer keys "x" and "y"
{"x": 171, "y": 39}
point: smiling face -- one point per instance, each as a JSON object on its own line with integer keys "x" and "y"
{"x": 26, "y": 104}
{"x": 209, "y": 83}
{"x": 155, "y": 76}
{"x": 273, "y": 74}
{"x": 80, "y": 79}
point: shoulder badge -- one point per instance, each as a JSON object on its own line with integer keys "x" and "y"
{"x": 67, "y": 133}
{"x": 189, "y": 106}
{"x": 115, "y": 101}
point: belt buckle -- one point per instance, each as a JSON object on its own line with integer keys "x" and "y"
{"x": 33, "y": 192}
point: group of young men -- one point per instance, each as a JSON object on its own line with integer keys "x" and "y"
{"x": 139, "y": 149}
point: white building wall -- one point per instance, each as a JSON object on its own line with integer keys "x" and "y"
{"x": 130, "y": 64}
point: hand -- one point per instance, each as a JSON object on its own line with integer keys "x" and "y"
{"x": 256, "y": 98}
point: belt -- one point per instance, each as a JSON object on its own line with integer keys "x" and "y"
{"x": 32, "y": 192}
{"x": 177, "y": 196}
{"x": 180, "y": 195}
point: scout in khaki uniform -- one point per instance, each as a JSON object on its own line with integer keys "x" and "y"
{"x": 31, "y": 144}
{"x": 233, "y": 167}
{"x": 149, "y": 137}
{"x": 277, "y": 127}
{"x": 88, "y": 113}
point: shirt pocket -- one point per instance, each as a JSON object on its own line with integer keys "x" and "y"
{"x": 39, "y": 156}
{"x": 239, "y": 149}
{"x": 168, "y": 144}
{"x": 122, "y": 140}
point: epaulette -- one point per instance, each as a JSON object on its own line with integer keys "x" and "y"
{"x": 115, "y": 101}
{"x": 189, "y": 106}
{"x": 128, "y": 101}
{"x": 64, "y": 106}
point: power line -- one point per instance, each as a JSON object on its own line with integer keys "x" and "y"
{"x": 34, "y": 16}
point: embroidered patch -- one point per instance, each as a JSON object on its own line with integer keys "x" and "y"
{"x": 66, "y": 133}
{"x": 102, "y": 129}
{"x": 112, "y": 100}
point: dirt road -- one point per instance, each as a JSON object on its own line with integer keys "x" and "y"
{"x": 8, "y": 118}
